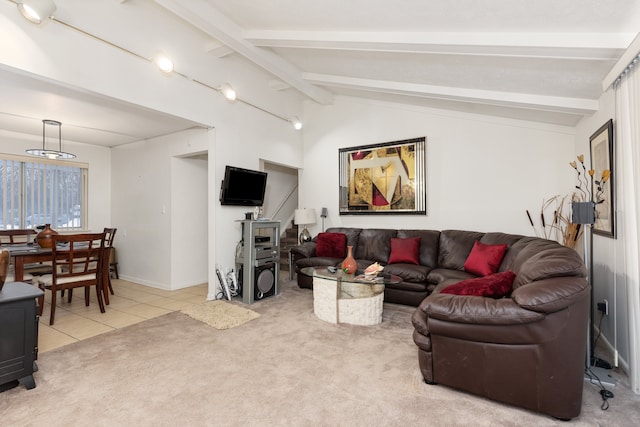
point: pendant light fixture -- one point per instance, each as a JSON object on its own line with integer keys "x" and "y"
{"x": 51, "y": 154}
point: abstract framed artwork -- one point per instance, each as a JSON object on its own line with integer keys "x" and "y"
{"x": 601, "y": 143}
{"x": 387, "y": 178}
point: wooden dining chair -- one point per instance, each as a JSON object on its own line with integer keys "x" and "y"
{"x": 23, "y": 236}
{"x": 110, "y": 234}
{"x": 17, "y": 236}
{"x": 5, "y": 256}
{"x": 78, "y": 262}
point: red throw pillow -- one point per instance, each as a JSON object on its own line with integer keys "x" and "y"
{"x": 331, "y": 245}
{"x": 405, "y": 251}
{"x": 495, "y": 285}
{"x": 484, "y": 259}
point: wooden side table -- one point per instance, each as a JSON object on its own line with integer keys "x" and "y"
{"x": 19, "y": 333}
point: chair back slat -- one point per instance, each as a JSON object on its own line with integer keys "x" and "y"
{"x": 16, "y": 236}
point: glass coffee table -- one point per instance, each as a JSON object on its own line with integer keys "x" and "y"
{"x": 356, "y": 299}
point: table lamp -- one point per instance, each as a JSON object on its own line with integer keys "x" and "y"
{"x": 304, "y": 217}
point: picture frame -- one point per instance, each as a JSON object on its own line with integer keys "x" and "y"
{"x": 602, "y": 158}
{"x": 383, "y": 179}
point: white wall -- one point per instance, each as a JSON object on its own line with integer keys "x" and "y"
{"x": 152, "y": 223}
{"x": 98, "y": 159}
{"x": 190, "y": 223}
{"x": 483, "y": 172}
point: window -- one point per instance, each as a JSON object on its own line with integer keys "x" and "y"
{"x": 42, "y": 192}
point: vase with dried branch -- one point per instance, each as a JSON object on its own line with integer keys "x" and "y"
{"x": 555, "y": 221}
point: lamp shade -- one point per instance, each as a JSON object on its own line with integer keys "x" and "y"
{"x": 304, "y": 216}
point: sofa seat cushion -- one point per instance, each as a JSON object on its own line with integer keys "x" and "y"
{"x": 331, "y": 245}
{"x": 408, "y": 286}
{"x": 408, "y": 272}
{"x": 439, "y": 275}
{"x": 405, "y": 251}
{"x": 484, "y": 259}
{"x": 496, "y": 285}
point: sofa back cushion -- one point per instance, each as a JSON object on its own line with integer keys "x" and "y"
{"x": 455, "y": 246}
{"x": 501, "y": 238}
{"x": 352, "y": 234}
{"x": 374, "y": 244}
{"x": 429, "y": 243}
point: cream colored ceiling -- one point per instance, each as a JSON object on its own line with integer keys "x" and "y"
{"x": 537, "y": 60}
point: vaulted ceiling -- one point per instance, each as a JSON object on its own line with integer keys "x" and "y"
{"x": 539, "y": 60}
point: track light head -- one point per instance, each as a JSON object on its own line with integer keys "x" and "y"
{"x": 228, "y": 92}
{"x": 297, "y": 124}
{"x": 163, "y": 62}
{"x": 36, "y": 11}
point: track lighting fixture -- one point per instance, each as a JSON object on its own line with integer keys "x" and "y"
{"x": 228, "y": 92}
{"x": 39, "y": 11}
{"x": 36, "y": 11}
{"x": 297, "y": 124}
{"x": 163, "y": 62}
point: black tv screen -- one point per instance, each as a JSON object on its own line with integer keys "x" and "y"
{"x": 243, "y": 187}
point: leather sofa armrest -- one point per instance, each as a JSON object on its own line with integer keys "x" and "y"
{"x": 528, "y": 303}
{"x": 306, "y": 250}
{"x": 551, "y": 295}
{"x": 477, "y": 310}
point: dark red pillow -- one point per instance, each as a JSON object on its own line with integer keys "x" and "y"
{"x": 331, "y": 245}
{"x": 405, "y": 251}
{"x": 484, "y": 259}
{"x": 495, "y": 285}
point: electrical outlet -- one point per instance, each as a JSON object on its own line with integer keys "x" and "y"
{"x": 603, "y": 307}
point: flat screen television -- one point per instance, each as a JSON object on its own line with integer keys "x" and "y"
{"x": 243, "y": 187}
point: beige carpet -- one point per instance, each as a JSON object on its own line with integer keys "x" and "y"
{"x": 220, "y": 314}
{"x": 285, "y": 368}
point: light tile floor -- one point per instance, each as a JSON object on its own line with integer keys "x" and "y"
{"x": 132, "y": 303}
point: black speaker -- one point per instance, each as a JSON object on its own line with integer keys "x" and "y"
{"x": 265, "y": 281}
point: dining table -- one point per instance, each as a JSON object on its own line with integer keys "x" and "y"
{"x": 29, "y": 253}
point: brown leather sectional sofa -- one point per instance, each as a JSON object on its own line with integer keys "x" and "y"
{"x": 526, "y": 349}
